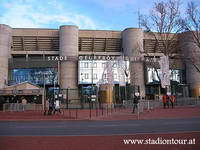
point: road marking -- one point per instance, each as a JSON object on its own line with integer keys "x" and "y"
{"x": 114, "y": 125}
{"x": 171, "y": 123}
{"x": 45, "y": 127}
{"x": 147, "y": 134}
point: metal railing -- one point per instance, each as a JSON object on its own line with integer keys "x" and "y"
{"x": 91, "y": 111}
{"x": 95, "y": 110}
{"x": 185, "y": 101}
{"x": 143, "y": 104}
{"x": 21, "y": 107}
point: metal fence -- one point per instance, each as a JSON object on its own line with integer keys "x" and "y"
{"x": 94, "y": 110}
{"x": 143, "y": 104}
{"x": 152, "y": 104}
{"x": 21, "y": 107}
{"x": 185, "y": 101}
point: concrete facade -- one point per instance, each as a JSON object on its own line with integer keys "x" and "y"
{"x": 68, "y": 47}
{"x": 72, "y": 42}
{"x": 5, "y": 49}
{"x": 192, "y": 59}
{"x": 133, "y": 47}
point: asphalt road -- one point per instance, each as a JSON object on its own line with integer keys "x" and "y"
{"x": 77, "y": 128}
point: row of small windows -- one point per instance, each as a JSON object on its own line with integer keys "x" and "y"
{"x": 94, "y": 65}
{"x": 95, "y": 76}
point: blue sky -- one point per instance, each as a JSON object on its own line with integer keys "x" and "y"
{"x": 87, "y": 14}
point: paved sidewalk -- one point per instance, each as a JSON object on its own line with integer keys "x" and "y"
{"x": 158, "y": 113}
{"x": 98, "y": 142}
{"x": 111, "y": 142}
{"x": 121, "y": 114}
{"x": 32, "y": 116}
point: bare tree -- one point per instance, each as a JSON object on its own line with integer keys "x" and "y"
{"x": 191, "y": 23}
{"x": 163, "y": 24}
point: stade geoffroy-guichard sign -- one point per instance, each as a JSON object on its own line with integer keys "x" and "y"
{"x": 101, "y": 57}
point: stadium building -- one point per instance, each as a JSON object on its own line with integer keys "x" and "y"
{"x": 70, "y": 58}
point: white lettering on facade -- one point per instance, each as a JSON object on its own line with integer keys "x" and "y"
{"x": 103, "y": 57}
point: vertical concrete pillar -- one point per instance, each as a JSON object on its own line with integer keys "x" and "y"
{"x": 132, "y": 44}
{"x": 68, "y": 42}
{"x": 5, "y": 48}
{"x": 192, "y": 57}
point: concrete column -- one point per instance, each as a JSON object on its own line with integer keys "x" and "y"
{"x": 68, "y": 42}
{"x": 192, "y": 56}
{"x": 132, "y": 44}
{"x": 5, "y": 48}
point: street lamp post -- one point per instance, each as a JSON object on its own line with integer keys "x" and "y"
{"x": 44, "y": 94}
{"x": 92, "y": 80}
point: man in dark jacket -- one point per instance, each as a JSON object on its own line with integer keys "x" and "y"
{"x": 51, "y": 107}
{"x": 136, "y": 99}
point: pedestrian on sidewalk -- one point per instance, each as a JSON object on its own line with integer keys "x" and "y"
{"x": 51, "y": 107}
{"x": 172, "y": 100}
{"x": 164, "y": 100}
{"x": 24, "y": 102}
{"x": 168, "y": 100}
{"x": 46, "y": 110}
{"x": 57, "y": 107}
{"x": 136, "y": 98}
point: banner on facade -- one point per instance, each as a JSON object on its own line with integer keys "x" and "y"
{"x": 121, "y": 72}
{"x": 165, "y": 73}
{"x": 110, "y": 76}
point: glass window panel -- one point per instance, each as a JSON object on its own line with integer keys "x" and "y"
{"x": 175, "y": 75}
{"x": 35, "y": 75}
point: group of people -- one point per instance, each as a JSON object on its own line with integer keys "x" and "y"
{"x": 167, "y": 100}
{"x": 52, "y": 107}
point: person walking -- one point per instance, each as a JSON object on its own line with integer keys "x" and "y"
{"x": 136, "y": 99}
{"x": 172, "y": 100}
{"x": 24, "y": 102}
{"x": 46, "y": 110}
{"x": 164, "y": 100}
{"x": 57, "y": 107}
{"x": 51, "y": 107}
{"x": 168, "y": 100}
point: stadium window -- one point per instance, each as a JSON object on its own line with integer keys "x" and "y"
{"x": 82, "y": 65}
{"x": 95, "y": 65}
{"x": 103, "y": 65}
{"x": 95, "y": 76}
{"x": 114, "y": 65}
{"x": 115, "y": 76}
{"x": 86, "y": 65}
{"x": 86, "y": 76}
{"x": 105, "y": 76}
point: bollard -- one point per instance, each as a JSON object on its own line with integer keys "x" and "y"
{"x": 76, "y": 113}
{"x": 64, "y": 112}
{"x": 138, "y": 113}
{"x": 4, "y": 108}
{"x": 13, "y": 107}
{"x": 90, "y": 113}
{"x": 107, "y": 108}
{"x": 96, "y": 112}
{"x": 102, "y": 110}
{"x": 69, "y": 112}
